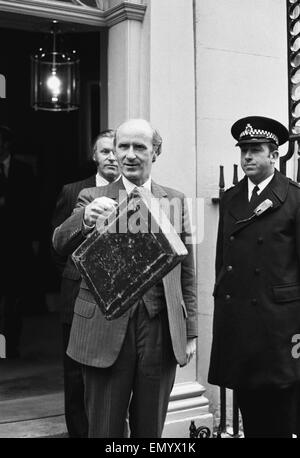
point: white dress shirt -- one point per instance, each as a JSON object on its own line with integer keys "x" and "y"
{"x": 129, "y": 186}
{"x": 101, "y": 181}
{"x": 261, "y": 186}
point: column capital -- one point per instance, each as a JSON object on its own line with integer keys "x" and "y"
{"x": 124, "y": 10}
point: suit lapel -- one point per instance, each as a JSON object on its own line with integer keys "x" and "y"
{"x": 91, "y": 181}
{"x": 239, "y": 205}
{"x": 113, "y": 190}
{"x": 171, "y": 280}
{"x": 163, "y": 200}
{"x": 158, "y": 191}
{"x": 78, "y": 186}
{"x": 243, "y": 212}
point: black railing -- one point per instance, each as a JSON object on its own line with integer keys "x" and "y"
{"x": 235, "y": 180}
{"x": 222, "y": 428}
{"x": 293, "y": 62}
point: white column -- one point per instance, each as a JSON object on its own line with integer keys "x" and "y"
{"x": 172, "y": 109}
{"x": 151, "y": 75}
{"x": 124, "y": 43}
{"x": 172, "y": 91}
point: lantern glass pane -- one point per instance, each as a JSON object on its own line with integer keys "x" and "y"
{"x": 55, "y": 82}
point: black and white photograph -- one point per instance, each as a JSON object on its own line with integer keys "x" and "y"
{"x": 150, "y": 221}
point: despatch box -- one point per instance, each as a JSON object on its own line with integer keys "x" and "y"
{"x": 128, "y": 254}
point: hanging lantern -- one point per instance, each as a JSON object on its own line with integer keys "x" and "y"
{"x": 55, "y": 78}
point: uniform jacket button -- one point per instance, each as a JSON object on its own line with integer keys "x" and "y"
{"x": 257, "y": 271}
{"x": 260, "y": 240}
{"x": 227, "y": 297}
{"x": 254, "y": 301}
{"x": 231, "y": 238}
{"x": 229, "y": 268}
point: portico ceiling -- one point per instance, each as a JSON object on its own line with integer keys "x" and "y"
{"x": 83, "y": 14}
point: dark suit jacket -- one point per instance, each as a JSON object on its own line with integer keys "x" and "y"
{"x": 257, "y": 290}
{"x": 97, "y": 342}
{"x": 70, "y": 275}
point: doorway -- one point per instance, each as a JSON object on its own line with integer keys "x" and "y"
{"x": 56, "y": 146}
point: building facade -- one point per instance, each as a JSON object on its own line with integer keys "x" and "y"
{"x": 192, "y": 67}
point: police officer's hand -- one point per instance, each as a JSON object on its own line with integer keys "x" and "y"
{"x": 101, "y": 207}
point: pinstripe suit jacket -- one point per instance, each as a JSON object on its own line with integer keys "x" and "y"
{"x": 94, "y": 341}
{"x": 70, "y": 275}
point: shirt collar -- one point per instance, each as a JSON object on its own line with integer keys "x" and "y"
{"x": 129, "y": 186}
{"x": 101, "y": 181}
{"x": 262, "y": 185}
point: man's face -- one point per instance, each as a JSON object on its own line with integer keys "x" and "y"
{"x": 257, "y": 162}
{"x": 134, "y": 151}
{"x": 105, "y": 158}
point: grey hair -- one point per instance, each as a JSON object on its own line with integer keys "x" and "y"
{"x": 156, "y": 138}
{"x": 157, "y": 141}
{"x": 109, "y": 133}
{"x": 272, "y": 147}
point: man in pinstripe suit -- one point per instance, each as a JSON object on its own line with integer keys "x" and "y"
{"x": 130, "y": 362}
{"x": 107, "y": 172}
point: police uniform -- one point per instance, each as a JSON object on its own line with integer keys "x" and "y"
{"x": 257, "y": 294}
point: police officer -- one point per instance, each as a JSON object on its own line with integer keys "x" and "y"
{"x": 257, "y": 289}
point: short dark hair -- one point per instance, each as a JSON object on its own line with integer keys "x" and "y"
{"x": 272, "y": 147}
{"x": 109, "y": 133}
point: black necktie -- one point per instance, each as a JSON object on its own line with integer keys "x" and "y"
{"x": 254, "y": 194}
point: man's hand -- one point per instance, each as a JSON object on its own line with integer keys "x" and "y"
{"x": 101, "y": 207}
{"x": 190, "y": 349}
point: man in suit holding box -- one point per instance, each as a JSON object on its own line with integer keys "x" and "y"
{"x": 107, "y": 172}
{"x": 129, "y": 363}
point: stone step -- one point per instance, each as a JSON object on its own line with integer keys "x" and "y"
{"x": 39, "y": 428}
{"x": 34, "y": 416}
